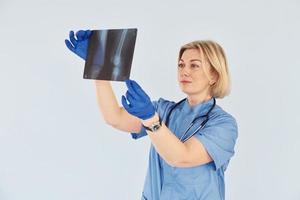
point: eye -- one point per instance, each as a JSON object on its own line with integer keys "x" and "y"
{"x": 180, "y": 65}
{"x": 194, "y": 66}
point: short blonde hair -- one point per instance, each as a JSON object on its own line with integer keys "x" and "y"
{"x": 215, "y": 55}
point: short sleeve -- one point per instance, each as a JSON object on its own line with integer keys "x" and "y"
{"x": 219, "y": 138}
{"x": 160, "y": 106}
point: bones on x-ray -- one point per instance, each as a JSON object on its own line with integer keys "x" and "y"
{"x": 110, "y": 54}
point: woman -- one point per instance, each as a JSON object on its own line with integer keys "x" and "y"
{"x": 193, "y": 140}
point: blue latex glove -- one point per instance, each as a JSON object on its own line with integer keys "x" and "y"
{"x": 79, "y": 44}
{"x": 140, "y": 104}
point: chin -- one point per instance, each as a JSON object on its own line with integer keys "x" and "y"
{"x": 187, "y": 91}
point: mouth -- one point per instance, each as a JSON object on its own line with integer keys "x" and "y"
{"x": 185, "y": 81}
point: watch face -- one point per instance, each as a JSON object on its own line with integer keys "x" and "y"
{"x": 156, "y": 127}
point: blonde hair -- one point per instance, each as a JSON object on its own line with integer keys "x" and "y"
{"x": 215, "y": 55}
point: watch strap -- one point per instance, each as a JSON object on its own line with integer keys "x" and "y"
{"x": 150, "y": 129}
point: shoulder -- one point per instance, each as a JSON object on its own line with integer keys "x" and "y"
{"x": 219, "y": 114}
{"x": 163, "y": 106}
{"x": 220, "y": 117}
{"x": 162, "y": 103}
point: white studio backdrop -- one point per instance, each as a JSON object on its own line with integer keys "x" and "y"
{"x": 54, "y": 144}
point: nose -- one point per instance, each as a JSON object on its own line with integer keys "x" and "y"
{"x": 186, "y": 71}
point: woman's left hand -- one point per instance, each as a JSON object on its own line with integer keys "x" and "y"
{"x": 140, "y": 104}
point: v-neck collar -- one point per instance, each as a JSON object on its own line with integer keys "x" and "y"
{"x": 199, "y": 108}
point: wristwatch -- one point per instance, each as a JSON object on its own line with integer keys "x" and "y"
{"x": 153, "y": 127}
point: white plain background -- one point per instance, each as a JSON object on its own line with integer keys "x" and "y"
{"x": 54, "y": 144}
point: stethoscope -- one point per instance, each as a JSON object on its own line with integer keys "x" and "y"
{"x": 193, "y": 122}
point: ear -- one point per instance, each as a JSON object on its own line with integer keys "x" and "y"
{"x": 214, "y": 76}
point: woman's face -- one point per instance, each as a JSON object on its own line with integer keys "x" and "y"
{"x": 191, "y": 76}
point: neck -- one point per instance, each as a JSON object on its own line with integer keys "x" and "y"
{"x": 196, "y": 99}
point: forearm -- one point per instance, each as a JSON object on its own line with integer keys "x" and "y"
{"x": 107, "y": 101}
{"x": 169, "y": 147}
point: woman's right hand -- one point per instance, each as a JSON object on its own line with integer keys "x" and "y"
{"x": 79, "y": 45}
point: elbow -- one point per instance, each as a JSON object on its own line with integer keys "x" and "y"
{"x": 178, "y": 163}
{"x": 110, "y": 122}
{"x": 179, "y": 158}
{"x": 173, "y": 164}
{"x": 186, "y": 162}
{"x": 112, "y": 119}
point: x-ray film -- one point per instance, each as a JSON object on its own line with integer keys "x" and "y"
{"x": 110, "y": 54}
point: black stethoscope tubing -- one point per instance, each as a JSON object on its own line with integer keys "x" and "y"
{"x": 194, "y": 120}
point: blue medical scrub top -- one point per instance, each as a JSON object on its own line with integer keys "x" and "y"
{"x": 203, "y": 182}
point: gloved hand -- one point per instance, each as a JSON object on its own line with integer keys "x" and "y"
{"x": 140, "y": 104}
{"x": 79, "y": 46}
